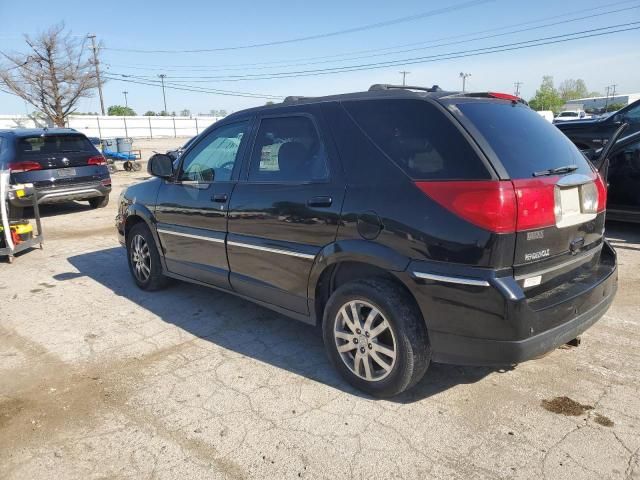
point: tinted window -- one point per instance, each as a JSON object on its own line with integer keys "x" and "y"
{"x": 419, "y": 138}
{"x": 633, "y": 115}
{"x": 523, "y": 141}
{"x": 54, "y": 144}
{"x": 288, "y": 149}
{"x": 215, "y": 156}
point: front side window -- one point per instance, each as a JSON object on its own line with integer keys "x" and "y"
{"x": 288, "y": 149}
{"x": 633, "y": 115}
{"x": 215, "y": 156}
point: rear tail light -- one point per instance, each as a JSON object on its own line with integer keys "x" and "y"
{"x": 106, "y": 182}
{"x": 602, "y": 193}
{"x": 97, "y": 160}
{"x": 487, "y": 204}
{"x": 26, "y": 166}
{"x": 509, "y": 206}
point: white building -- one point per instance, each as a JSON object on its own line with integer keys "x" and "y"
{"x": 598, "y": 104}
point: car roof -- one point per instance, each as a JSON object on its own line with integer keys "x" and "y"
{"x": 33, "y": 132}
{"x": 376, "y": 92}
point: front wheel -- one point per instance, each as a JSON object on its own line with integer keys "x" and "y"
{"x": 375, "y": 337}
{"x": 144, "y": 259}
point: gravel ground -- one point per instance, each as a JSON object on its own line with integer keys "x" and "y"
{"x": 101, "y": 380}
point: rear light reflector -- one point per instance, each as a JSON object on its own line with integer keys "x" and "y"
{"x": 106, "y": 182}
{"x": 26, "y": 166}
{"x": 97, "y": 160}
{"x": 536, "y": 202}
{"x": 488, "y": 204}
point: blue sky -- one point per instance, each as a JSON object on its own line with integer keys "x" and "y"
{"x": 172, "y": 25}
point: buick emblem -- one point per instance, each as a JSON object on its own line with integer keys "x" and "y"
{"x": 65, "y": 160}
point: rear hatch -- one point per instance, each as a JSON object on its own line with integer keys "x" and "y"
{"x": 56, "y": 159}
{"x": 559, "y": 198}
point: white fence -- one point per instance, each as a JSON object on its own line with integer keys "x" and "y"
{"x": 110, "y": 127}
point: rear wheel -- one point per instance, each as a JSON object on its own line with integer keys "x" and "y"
{"x": 375, "y": 337}
{"x": 144, "y": 259}
{"x": 99, "y": 202}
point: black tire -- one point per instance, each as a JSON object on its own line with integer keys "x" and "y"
{"x": 155, "y": 279}
{"x": 136, "y": 166}
{"x": 408, "y": 333}
{"x": 99, "y": 202}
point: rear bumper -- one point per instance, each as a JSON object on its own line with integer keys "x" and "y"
{"x": 67, "y": 193}
{"x": 492, "y": 321}
{"x": 463, "y": 350}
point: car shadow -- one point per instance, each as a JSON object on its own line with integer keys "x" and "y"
{"x": 243, "y": 327}
{"x": 55, "y": 209}
{"x": 623, "y": 236}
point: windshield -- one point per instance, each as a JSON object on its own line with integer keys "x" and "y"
{"x": 524, "y": 142}
{"x": 568, "y": 114}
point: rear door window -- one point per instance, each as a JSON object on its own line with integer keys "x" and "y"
{"x": 524, "y": 142}
{"x": 54, "y": 144}
{"x": 418, "y": 138}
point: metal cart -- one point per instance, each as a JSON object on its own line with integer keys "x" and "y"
{"x": 8, "y": 192}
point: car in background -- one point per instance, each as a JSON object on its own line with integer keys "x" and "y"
{"x": 594, "y": 133}
{"x": 569, "y": 115}
{"x": 411, "y": 224}
{"x": 546, "y": 114}
{"x": 61, "y": 163}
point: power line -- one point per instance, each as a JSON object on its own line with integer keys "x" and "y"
{"x": 191, "y": 88}
{"x": 409, "y": 18}
{"x": 417, "y": 60}
{"x": 242, "y": 66}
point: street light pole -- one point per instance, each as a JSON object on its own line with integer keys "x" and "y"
{"x": 464, "y": 77}
{"x": 96, "y": 64}
{"x": 126, "y": 102}
{"x": 164, "y": 97}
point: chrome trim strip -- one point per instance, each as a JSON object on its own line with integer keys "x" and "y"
{"x": 189, "y": 235}
{"x": 67, "y": 192}
{"x": 583, "y": 257}
{"x": 447, "y": 279}
{"x": 272, "y": 250}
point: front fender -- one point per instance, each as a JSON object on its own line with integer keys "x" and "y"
{"x": 363, "y": 251}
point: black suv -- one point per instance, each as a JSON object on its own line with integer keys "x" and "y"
{"x": 61, "y": 163}
{"x": 594, "y": 133}
{"x": 413, "y": 225}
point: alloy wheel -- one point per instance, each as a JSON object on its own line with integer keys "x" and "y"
{"x": 140, "y": 258}
{"x": 365, "y": 341}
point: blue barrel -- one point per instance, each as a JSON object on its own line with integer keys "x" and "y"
{"x": 125, "y": 145}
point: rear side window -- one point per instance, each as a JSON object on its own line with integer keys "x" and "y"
{"x": 419, "y": 138}
{"x": 523, "y": 141}
{"x": 54, "y": 144}
{"x": 288, "y": 149}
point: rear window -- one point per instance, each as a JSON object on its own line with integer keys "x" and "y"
{"x": 54, "y": 144}
{"x": 419, "y": 138}
{"x": 523, "y": 141}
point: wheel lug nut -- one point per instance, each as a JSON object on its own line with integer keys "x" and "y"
{"x": 366, "y": 334}
{"x": 355, "y": 340}
{"x": 361, "y": 349}
{"x": 358, "y": 331}
{"x": 370, "y": 346}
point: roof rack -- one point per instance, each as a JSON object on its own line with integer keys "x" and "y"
{"x": 295, "y": 98}
{"x": 384, "y": 86}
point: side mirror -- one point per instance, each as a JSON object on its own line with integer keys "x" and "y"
{"x": 160, "y": 165}
{"x": 617, "y": 118}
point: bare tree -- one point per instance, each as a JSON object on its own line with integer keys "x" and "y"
{"x": 54, "y": 75}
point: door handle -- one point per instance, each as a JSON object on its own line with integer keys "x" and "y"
{"x": 219, "y": 197}
{"x": 322, "y": 201}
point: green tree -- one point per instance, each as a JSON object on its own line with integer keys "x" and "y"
{"x": 120, "y": 111}
{"x": 614, "y": 107}
{"x": 547, "y": 96}
{"x": 150, "y": 113}
{"x": 185, "y": 113}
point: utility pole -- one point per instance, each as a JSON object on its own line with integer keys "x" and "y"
{"x": 404, "y": 77}
{"x": 606, "y": 102}
{"x": 613, "y": 95}
{"x": 517, "y": 85}
{"x": 464, "y": 77}
{"x": 164, "y": 97}
{"x": 97, "y": 65}
{"x": 126, "y": 103}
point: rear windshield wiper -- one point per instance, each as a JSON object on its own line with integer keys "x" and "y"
{"x": 556, "y": 171}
